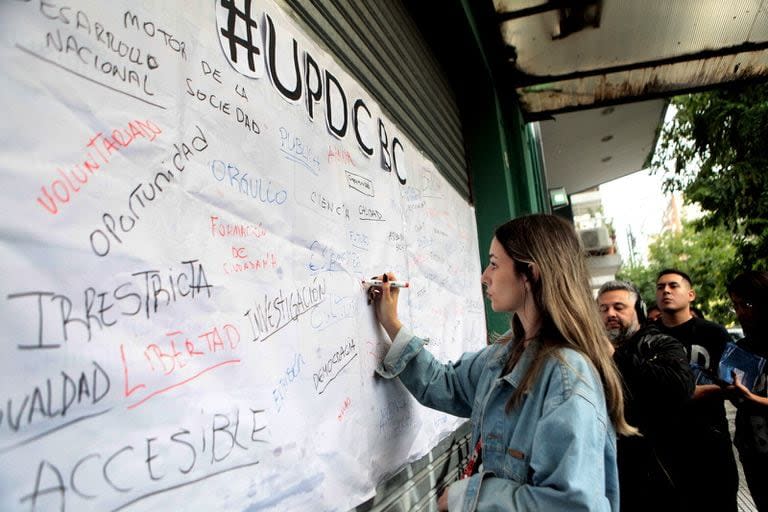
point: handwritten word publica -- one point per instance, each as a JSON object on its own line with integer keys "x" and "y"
{"x": 325, "y": 204}
{"x": 144, "y": 295}
{"x": 275, "y": 312}
{"x": 334, "y": 365}
{"x": 325, "y": 259}
{"x": 150, "y": 30}
{"x": 258, "y": 188}
{"x": 57, "y": 396}
{"x": 269, "y": 260}
{"x": 106, "y": 38}
{"x": 223, "y": 106}
{"x": 143, "y": 465}
{"x": 101, "y": 241}
{"x": 295, "y": 150}
{"x": 286, "y": 379}
{"x": 225, "y": 230}
{"x": 61, "y": 191}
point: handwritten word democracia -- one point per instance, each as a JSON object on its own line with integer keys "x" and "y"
{"x": 61, "y": 191}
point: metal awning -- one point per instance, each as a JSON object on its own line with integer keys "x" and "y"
{"x": 572, "y": 60}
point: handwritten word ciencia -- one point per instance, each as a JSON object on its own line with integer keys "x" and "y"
{"x": 145, "y": 294}
{"x": 61, "y": 191}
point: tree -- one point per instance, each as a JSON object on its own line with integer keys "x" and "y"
{"x": 715, "y": 152}
{"x": 704, "y": 253}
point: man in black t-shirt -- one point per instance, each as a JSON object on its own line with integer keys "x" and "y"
{"x": 711, "y": 479}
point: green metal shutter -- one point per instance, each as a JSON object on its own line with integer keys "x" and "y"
{"x": 380, "y": 46}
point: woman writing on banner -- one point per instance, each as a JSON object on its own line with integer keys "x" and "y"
{"x": 749, "y": 295}
{"x": 545, "y": 399}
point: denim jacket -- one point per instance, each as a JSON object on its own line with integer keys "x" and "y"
{"x": 556, "y": 451}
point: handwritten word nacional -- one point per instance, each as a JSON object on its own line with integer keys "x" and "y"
{"x": 260, "y": 189}
{"x": 143, "y": 295}
{"x": 60, "y": 394}
{"x": 134, "y": 470}
{"x": 61, "y": 191}
{"x": 277, "y": 311}
{"x": 101, "y": 240}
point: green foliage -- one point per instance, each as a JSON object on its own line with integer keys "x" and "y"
{"x": 704, "y": 253}
{"x": 715, "y": 151}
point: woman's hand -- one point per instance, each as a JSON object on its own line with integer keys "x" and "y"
{"x": 442, "y": 501}
{"x": 384, "y": 299}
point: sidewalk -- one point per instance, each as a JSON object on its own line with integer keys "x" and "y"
{"x": 744, "y": 498}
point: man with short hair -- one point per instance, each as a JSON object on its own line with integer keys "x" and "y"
{"x": 711, "y": 479}
{"x": 657, "y": 382}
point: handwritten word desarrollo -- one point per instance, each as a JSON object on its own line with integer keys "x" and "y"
{"x": 61, "y": 191}
{"x": 145, "y": 294}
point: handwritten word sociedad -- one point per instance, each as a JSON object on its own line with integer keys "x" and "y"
{"x": 145, "y": 294}
{"x": 224, "y": 106}
{"x": 135, "y": 470}
{"x": 56, "y": 397}
{"x": 275, "y": 312}
{"x": 101, "y": 240}
{"x": 61, "y": 191}
{"x": 290, "y": 374}
{"x": 171, "y": 356}
{"x": 334, "y": 365}
{"x": 226, "y": 230}
{"x": 295, "y": 150}
{"x": 256, "y": 188}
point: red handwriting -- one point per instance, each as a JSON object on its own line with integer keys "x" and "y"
{"x": 61, "y": 191}
{"x": 344, "y": 408}
{"x": 176, "y": 352}
{"x": 339, "y": 155}
{"x": 223, "y": 229}
{"x": 242, "y": 263}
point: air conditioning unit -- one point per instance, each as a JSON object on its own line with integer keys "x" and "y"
{"x": 595, "y": 239}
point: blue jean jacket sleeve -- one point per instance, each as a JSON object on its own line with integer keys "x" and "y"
{"x": 449, "y": 388}
{"x": 568, "y": 467}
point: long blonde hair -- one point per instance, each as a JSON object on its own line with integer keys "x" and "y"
{"x": 563, "y": 298}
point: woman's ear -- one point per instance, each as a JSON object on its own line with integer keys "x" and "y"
{"x": 534, "y": 272}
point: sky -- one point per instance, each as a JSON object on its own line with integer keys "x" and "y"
{"x": 636, "y": 204}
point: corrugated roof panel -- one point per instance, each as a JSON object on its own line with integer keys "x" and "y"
{"x": 633, "y": 31}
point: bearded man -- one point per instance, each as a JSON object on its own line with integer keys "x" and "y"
{"x": 657, "y": 382}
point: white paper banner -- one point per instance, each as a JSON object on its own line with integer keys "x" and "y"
{"x": 192, "y": 193}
